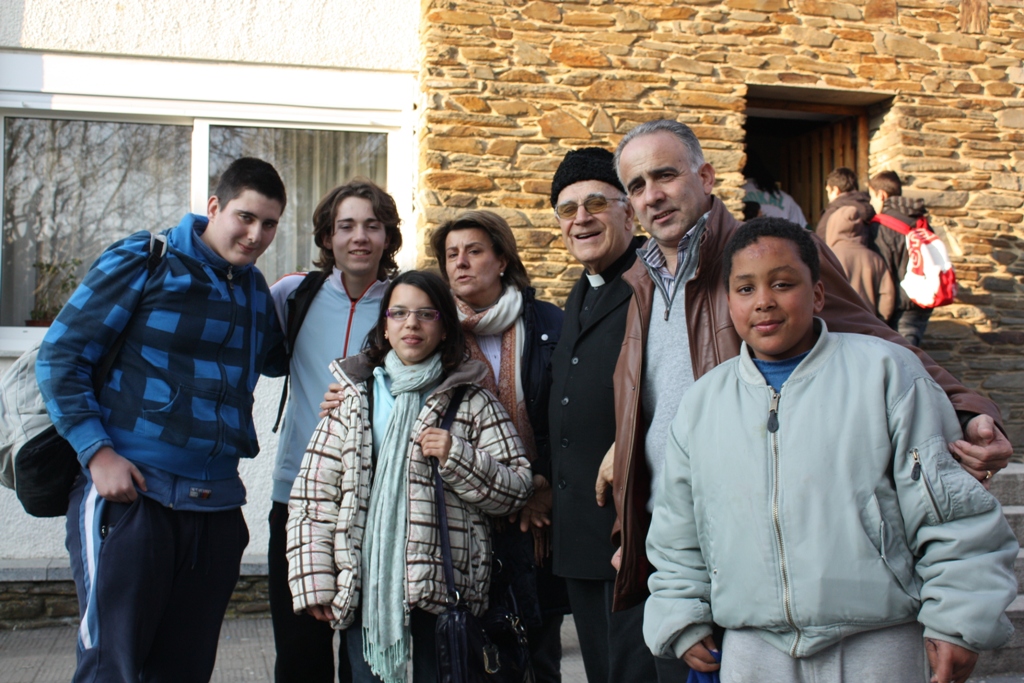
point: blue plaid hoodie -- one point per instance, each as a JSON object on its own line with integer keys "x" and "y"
{"x": 178, "y": 400}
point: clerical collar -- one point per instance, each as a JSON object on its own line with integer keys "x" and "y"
{"x": 595, "y": 280}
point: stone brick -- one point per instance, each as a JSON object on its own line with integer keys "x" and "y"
{"x": 752, "y": 30}
{"x": 668, "y": 13}
{"x": 578, "y": 55}
{"x": 502, "y": 148}
{"x": 603, "y": 123}
{"x": 836, "y": 10}
{"x": 684, "y": 98}
{"x": 588, "y": 19}
{"x": 471, "y": 103}
{"x": 1011, "y": 118}
{"x": 746, "y": 61}
{"x": 521, "y": 76}
{"x": 450, "y": 180}
{"x": 529, "y": 55}
{"x": 902, "y": 46}
{"x": 802, "y": 63}
{"x": 613, "y": 91}
{"x": 996, "y": 201}
{"x": 1001, "y": 89}
{"x": 464, "y": 145}
{"x": 483, "y": 54}
{"x": 855, "y": 35}
{"x": 511, "y": 108}
{"x": 447, "y": 17}
{"x": 559, "y": 124}
{"x": 880, "y": 11}
{"x": 959, "y": 54}
{"x": 998, "y": 284}
{"x": 691, "y": 66}
{"x": 758, "y": 5}
{"x": 537, "y": 187}
{"x": 526, "y": 90}
{"x": 543, "y": 11}
{"x": 809, "y": 37}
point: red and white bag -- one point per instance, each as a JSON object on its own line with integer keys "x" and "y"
{"x": 930, "y": 281}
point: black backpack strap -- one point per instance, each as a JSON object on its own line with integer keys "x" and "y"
{"x": 442, "y": 510}
{"x": 296, "y": 309}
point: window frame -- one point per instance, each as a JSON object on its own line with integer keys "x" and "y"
{"x": 205, "y": 94}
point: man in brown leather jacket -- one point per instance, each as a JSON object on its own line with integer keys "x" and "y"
{"x": 669, "y": 185}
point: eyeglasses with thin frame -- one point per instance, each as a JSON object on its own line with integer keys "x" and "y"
{"x": 424, "y": 315}
{"x": 594, "y": 204}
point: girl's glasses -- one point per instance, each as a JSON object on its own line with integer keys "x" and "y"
{"x": 425, "y": 315}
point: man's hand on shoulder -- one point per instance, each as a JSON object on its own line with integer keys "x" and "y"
{"x": 114, "y": 476}
{"x": 984, "y": 450}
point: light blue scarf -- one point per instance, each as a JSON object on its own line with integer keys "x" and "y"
{"x": 385, "y": 632}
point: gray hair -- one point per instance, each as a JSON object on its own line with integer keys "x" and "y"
{"x": 680, "y": 130}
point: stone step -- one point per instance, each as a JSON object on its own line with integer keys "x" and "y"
{"x": 1015, "y": 516}
{"x": 1010, "y": 657}
{"x": 1008, "y": 485}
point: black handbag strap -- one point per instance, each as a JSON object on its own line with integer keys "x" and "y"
{"x": 442, "y": 511}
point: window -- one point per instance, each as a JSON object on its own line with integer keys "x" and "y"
{"x": 72, "y": 187}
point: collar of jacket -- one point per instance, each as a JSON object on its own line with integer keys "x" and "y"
{"x": 186, "y": 239}
{"x": 824, "y": 347}
{"x": 357, "y": 369}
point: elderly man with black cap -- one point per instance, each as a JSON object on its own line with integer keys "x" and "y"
{"x": 596, "y": 220}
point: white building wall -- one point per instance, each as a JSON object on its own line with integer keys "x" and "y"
{"x": 319, "y": 62}
{"x": 362, "y": 34}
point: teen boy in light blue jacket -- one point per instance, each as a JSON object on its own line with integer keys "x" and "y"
{"x": 810, "y": 505}
{"x": 356, "y": 229}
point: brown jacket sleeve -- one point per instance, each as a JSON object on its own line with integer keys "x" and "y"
{"x": 845, "y": 311}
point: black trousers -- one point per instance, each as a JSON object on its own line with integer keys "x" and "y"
{"x": 153, "y": 584}
{"x": 612, "y": 643}
{"x": 305, "y": 646}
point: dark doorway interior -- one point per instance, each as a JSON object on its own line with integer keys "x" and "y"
{"x": 800, "y": 149}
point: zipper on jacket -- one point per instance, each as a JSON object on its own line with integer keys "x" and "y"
{"x": 786, "y": 597}
{"x": 917, "y": 474}
{"x": 231, "y": 277}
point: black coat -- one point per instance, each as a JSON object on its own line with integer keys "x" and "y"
{"x": 543, "y": 323}
{"x": 582, "y": 425}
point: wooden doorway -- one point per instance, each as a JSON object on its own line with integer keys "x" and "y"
{"x": 800, "y": 143}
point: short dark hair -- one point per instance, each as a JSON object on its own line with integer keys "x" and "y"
{"x": 502, "y": 240}
{"x": 770, "y": 226}
{"x": 843, "y": 179}
{"x": 384, "y": 209}
{"x": 249, "y": 173}
{"x": 453, "y": 344}
{"x": 888, "y": 182}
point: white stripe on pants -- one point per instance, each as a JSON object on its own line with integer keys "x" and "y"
{"x": 889, "y": 654}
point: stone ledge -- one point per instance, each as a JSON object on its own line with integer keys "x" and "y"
{"x": 59, "y": 569}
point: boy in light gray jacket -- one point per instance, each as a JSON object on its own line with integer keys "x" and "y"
{"x": 810, "y": 505}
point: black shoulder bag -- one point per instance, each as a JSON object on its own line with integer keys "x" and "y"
{"x": 491, "y": 649}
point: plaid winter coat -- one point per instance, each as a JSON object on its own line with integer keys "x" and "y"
{"x": 487, "y": 474}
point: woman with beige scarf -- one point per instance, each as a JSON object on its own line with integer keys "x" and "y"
{"x": 514, "y": 334}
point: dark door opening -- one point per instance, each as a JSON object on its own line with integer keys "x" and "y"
{"x": 801, "y": 134}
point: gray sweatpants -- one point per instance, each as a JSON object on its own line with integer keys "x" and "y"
{"x": 890, "y": 654}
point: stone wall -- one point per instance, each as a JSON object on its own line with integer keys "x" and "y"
{"x": 35, "y": 604}
{"x": 509, "y": 86}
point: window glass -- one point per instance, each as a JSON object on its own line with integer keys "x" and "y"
{"x": 311, "y": 162}
{"x": 73, "y": 187}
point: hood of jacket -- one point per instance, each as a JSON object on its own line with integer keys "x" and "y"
{"x": 186, "y": 239}
{"x": 911, "y": 207}
{"x": 847, "y": 224}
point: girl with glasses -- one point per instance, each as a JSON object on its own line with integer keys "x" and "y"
{"x": 363, "y": 547}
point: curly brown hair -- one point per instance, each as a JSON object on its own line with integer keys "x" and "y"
{"x": 384, "y": 209}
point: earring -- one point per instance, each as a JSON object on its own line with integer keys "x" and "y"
{"x": 501, "y": 274}
{"x": 385, "y": 335}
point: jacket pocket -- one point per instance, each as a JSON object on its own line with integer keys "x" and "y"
{"x": 949, "y": 490}
{"x": 889, "y": 539}
{"x": 190, "y": 415}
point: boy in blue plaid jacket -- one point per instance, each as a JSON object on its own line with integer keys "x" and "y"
{"x": 154, "y": 525}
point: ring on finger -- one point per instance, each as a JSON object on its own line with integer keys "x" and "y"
{"x": 988, "y": 475}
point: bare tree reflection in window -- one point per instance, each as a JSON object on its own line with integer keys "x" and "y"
{"x": 311, "y": 162}
{"x": 71, "y": 188}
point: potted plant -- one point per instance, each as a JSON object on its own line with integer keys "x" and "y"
{"x": 55, "y": 281}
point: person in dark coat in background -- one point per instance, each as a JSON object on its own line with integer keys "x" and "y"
{"x": 886, "y": 192}
{"x": 597, "y": 227}
{"x": 843, "y": 190}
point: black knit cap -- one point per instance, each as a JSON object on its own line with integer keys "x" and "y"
{"x": 589, "y": 163}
